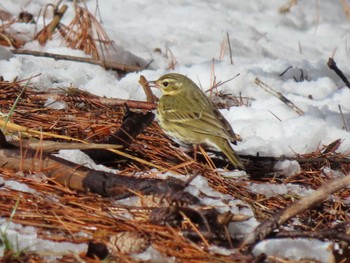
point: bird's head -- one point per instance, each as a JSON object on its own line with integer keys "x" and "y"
{"x": 172, "y": 83}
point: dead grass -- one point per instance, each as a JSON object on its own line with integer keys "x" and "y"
{"x": 9, "y": 38}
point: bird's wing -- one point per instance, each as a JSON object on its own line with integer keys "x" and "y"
{"x": 179, "y": 109}
{"x": 195, "y": 116}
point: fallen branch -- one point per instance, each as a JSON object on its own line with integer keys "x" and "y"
{"x": 121, "y": 68}
{"x": 81, "y": 178}
{"x": 50, "y": 146}
{"x": 279, "y": 96}
{"x": 300, "y": 206}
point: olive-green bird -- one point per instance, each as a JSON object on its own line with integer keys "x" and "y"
{"x": 187, "y": 115}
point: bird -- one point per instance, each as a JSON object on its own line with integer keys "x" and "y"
{"x": 189, "y": 117}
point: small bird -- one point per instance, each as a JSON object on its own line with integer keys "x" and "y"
{"x": 187, "y": 115}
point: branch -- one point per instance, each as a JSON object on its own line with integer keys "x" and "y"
{"x": 51, "y": 146}
{"x": 97, "y": 100}
{"x": 123, "y": 68}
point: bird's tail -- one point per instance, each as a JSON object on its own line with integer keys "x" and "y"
{"x": 226, "y": 148}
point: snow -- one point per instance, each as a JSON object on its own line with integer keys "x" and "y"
{"x": 25, "y": 238}
{"x": 151, "y": 254}
{"x": 287, "y": 167}
{"x": 296, "y": 249}
{"x": 79, "y": 157}
{"x": 270, "y": 190}
{"x": 264, "y": 44}
{"x": 14, "y": 185}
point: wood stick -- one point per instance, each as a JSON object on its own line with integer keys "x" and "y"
{"x": 105, "y": 64}
{"x": 279, "y": 96}
{"x": 135, "y": 104}
{"x": 50, "y": 146}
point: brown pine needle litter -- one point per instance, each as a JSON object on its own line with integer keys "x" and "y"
{"x": 85, "y": 33}
{"x": 59, "y": 213}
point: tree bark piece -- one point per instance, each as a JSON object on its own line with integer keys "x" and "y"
{"x": 81, "y": 178}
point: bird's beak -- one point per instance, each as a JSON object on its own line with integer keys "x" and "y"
{"x": 152, "y": 84}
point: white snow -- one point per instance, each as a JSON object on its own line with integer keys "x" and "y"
{"x": 270, "y": 190}
{"x": 264, "y": 44}
{"x": 287, "y": 168}
{"x": 14, "y": 185}
{"x": 296, "y": 249}
{"x": 79, "y": 157}
{"x": 25, "y": 238}
{"x": 151, "y": 254}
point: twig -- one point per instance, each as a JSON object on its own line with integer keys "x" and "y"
{"x": 333, "y": 66}
{"x": 98, "y": 100}
{"x": 288, "y": 6}
{"x": 275, "y": 116}
{"x": 173, "y": 61}
{"x": 222, "y": 49}
{"x": 145, "y": 85}
{"x": 48, "y": 30}
{"x": 216, "y": 85}
{"x": 106, "y": 64}
{"x": 279, "y": 96}
{"x": 323, "y": 234}
{"x": 342, "y": 116}
{"x": 321, "y": 194}
{"x": 284, "y": 71}
{"x": 229, "y": 47}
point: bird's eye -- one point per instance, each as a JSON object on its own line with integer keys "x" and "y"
{"x": 165, "y": 83}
